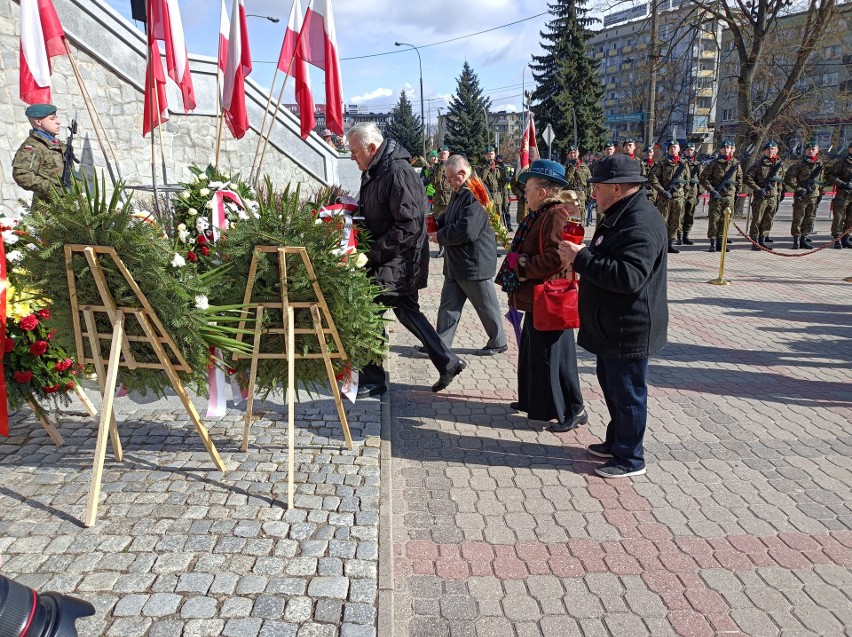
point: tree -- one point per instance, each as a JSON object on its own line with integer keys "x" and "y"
{"x": 467, "y": 123}
{"x": 567, "y": 80}
{"x": 405, "y": 127}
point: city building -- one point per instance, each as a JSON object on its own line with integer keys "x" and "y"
{"x": 504, "y": 129}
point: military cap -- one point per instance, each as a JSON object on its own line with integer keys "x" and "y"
{"x": 37, "y": 111}
{"x": 814, "y": 144}
{"x": 648, "y": 148}
{"x": 609, "y": 144}
{"x": 444, "y": 147}
{"x": 432, "y": 153}
{"x": 572, "y": 147}
{"x": 489, "y": 149}
{"x": 689, "y": 145}
{"x": 770, "y": 144}
{"x": 727, "y": 142}
{"x": 629, "y": 140}
{"x": 672, "y": 142}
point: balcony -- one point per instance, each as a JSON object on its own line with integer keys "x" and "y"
{"x": 704, "y": 92}
{"x": 610, "y": 102}
{"x": 599, "y": 55}
{"x": 626, "y": 49}
{"x": 610, "y": 86}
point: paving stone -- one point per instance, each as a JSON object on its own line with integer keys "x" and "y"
{"x": 198, "y": 608}
{"x": 161, "y": 604}
{"x": 334, "y": 587}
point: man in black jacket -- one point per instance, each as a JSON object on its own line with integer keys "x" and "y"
{"x": 470, "y": 262}
{"x": 623, "y": 307}
{"x": 394, "y": 206}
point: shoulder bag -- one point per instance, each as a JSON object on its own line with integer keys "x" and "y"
{"x": 555, "y": 302}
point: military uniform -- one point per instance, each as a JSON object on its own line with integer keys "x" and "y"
{"x": 443, "y": 191}
{"x": 840, "y": 175}
{"x": 577, "y": 174}
{"x": 722, "y": 195}
{"x": 804, "y": 180}
{"x": 765, "y": 178}
{"x": 690, "y": 200}
{"x": 490, "y": 176}
{"x": 38, "y": 165}
{"x": 504, "y": 178}
{"x": 667, "y": 179}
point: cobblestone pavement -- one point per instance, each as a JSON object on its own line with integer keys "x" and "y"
{"x": 178, "y": 549}
{"x": 742, "y": 523}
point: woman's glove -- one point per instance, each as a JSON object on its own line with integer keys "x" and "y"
{"x": 512, "y": 259}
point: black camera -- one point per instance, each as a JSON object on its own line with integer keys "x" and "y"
{"x": 25, "y": 613}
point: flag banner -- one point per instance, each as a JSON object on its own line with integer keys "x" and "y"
{"x": 319, "y": 48}
{"x": 527, "y": 142}
{"x": 156, "y": 107}
{"x": 42, "y": 38}
{"x": 297, "y": 68}
{"x": 237, "y": 69}
{"x": 224, "y": 31}
{"x": 164, "y": 24}
{"x": 217, "y": 402}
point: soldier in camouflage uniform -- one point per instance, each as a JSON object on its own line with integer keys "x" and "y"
{"x": 805, "y": 179}
{"x": 722, "y": 178}
{"x": 668, "y": 178}
{"x": 765, "y": 178}
{"x": 647, "y": 164}
{"x": 577, "y": 175}
{"x": 490, "y": 174}
{"x": 443, "y": 191}
{"x": 840, "y": 175}
{"x": 39, "y": 162}
{"x": 608, "y": 149}
{"x": 690, "y": 200}
{"x": 506, "y": 174}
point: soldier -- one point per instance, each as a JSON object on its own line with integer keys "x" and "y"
{"x": 690, "y": 200}
{"x": 505, "y": 178}
{"x": 628, "y": 147}
{"x": 840, "y": 174}
{"x": 648, "y": 160}
{"x": 491, "y": 178}
{"x": 765, "y": 178}
{"x": 722, "y": 178}
{"x": 40, "y": 160}
{"x": 443, "y": 191}
{"x": 667, "y": 179}
{"x": 609, "y": 149}
{"x": 804, "y": 179}
{"x": 577, "y": 175}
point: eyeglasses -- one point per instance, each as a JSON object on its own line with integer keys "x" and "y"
{"x": 527, "y": 188}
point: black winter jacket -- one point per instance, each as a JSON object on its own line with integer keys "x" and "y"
{"x": 393, "y": 203}
{"x": 466, "y": 233}
{"x": 623, "y": 298}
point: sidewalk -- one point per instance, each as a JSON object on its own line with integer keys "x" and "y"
{"x": 742, "y": 523}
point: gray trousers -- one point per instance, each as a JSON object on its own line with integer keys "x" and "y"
{"x": 483, "y": 297}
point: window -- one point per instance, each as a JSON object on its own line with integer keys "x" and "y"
{"x": 703, "y": 102}
{"x": 829, "y": 79}
{"x": 700, "y": 121}
{"x": 832, "y": 52}
{"x": 727, "y": 114}
{"x": 826, "y": 107}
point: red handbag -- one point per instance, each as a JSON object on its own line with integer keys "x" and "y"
{"x": 555, "y": 303}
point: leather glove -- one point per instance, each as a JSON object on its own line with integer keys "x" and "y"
{"x": 666, "y": 194}
{"x": 715, "y": 194}
{"x": 801, "y": 192}
{"x": 763, "y": 192}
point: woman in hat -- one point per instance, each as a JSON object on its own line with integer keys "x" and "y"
{"x": 548, "y": 380}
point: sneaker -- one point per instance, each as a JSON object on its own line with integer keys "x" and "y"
{"x": 599, "y": 449}
{"x": 447, "y": 377}
{"x": 491, "y": 351}
{"x": 612, "y": 470}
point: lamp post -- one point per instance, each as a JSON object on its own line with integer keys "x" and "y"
{"x": 271, "y": 18}
{"x": 422, "y": 114}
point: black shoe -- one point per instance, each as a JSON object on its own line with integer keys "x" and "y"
{"x": 730, "y": 240}
{"x": 599, "y": 449}
{"x": 447, "y": 377}
{"x": 838, "y": 245}
{"x": 421, "y": 349}
{"x": 712, "y": 247}
{"x": 672, "y": 249}
{"x": 846, "y": 241}
{"x": 720, "y": 244}
{"x": 371, "y": 389}
{"x": 766, "y": 239}
{"x": 570, "y": 424}
{"x": 806, "y": 243}
{"x": 756, "y": 245}
{"x": 796, "y": 241}
{"x": 612, "y": 470}
{"x": 517, "y": 407}
{"x": 679, "y": 240}
{"x": 491, "y": 351}
{"x": 686, "y": 240}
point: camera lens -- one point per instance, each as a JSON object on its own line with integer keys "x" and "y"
{"x": 25, "y": 613}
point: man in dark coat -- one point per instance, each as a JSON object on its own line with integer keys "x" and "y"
{"x": 394, "y": 206}
{"x": 623, "y": 307}
{"x": 470, "y": 262}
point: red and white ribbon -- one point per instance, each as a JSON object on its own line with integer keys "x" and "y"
{"x": 219, "y": 215}
{"x": 217, "y": 403}
{"x": 342, "y": 212}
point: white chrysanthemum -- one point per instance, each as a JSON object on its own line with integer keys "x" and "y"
{"x": 201, "y": 224}
{"x": 317, "y": 221}
{"x": 216, "y": 184}
{"x": 241, "y": 214}
{"x": 14, "y": 256}
{"x": 202, "y": 177}
{"x": 201, "y": 302}
{"x": 210, "y": 204}
{"x": 192, "y": 212}
{"x": 10, "y": 238}
{"x": 31, "y": 246}
{"x": 178, "y": 261}
{"x": 226, "y": 175}
{"x": 183, "y": 235}
{"x": 185, "y": 194}
{"x": 361, "y": 261}
{"x": 204, "y": 192}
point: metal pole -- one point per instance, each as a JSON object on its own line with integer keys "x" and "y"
{"x": 653, "y": 56}
{"x": 422, "y": 111}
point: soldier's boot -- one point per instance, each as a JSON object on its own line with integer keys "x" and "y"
{"x": 796, "y": 243}
{"x": 712, "y": 247}
{"x": 837, "y": 243}
{"x": 672, "y": 249}
{"x": 757, "y": 243}
{"x": 720, "y": 244}
{"x": 686, "y": 240}
{"x": 847, "y": 241}
{"x": 679, "y": 240}
{"x": 806, "y": 242}
{"x": 766, "y": 240}
{"x": 730, "y": 241}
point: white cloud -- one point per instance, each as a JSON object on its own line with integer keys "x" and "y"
{"x": 372, "y": 95}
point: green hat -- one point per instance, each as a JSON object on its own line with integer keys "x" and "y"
{"x": 444, "y": 147}
{"x": 648, "y": 148}
{"x": 769, "y": 144}
{"x": 572, "y": 148}
{"x": 672, "y": 142}
{"x": 432, "y": 153}
{"x": 609, "y": 144}
{"x": 489, "y": 149}
{"x": 37, "y": 111}
{"x": 727, "y": 142}
{"x": 814, "y": 144}
{"x": 629, "y": 140}
{"x": 689, "y": 145}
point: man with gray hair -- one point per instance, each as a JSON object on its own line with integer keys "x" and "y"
{"x": 393, "y": 203}
{"x": 470, "y": 262}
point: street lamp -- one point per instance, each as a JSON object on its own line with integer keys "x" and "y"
{"x": 271, "y": 18}
{"x": 422, "y": 114}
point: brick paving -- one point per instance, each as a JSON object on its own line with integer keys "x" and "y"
{"x": 742, "y": 525}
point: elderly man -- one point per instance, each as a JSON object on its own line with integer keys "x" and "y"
{"x": 623, "y": 307}
{"x": 39, "y": 162}
{"x": 470, "y": 262}
{"x": 394, "y": 206}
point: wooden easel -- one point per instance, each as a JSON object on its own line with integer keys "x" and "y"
{"x": 44, "y": 417}
{"x": 323, "y": 326}
{"x": 169, "y": 358}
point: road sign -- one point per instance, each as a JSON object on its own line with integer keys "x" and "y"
{"x": 548, "y": 136}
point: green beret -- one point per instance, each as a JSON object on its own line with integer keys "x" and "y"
{"x": 432, "y": 153}
{"x": 672, "y": 142}
{"x": 572, "y": 148}
{"x": 770, "y": 144}
{"x": 649, "y": 148}
{"x": 444, "y": 147}
{"x": 489, "y": 149}
{"x": 37, "y": 111}
{"x": 728, "y": 142}
{"x": 689, "y": 145}
{"x": 609, "y": 144}
{"x": 629, "y": 140}
{"x": 814, "y": 144}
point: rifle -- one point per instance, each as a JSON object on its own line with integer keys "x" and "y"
{"x": 812, "y": 183}
{"x": 676, "y": 181}
{"x": 723, "y": 186}
{"x": 68, "y": 158}
{"x": 772, "y": 177}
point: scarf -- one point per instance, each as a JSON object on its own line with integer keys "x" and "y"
{"x": 507, "y": 278}
{"x": 675, "y": 158}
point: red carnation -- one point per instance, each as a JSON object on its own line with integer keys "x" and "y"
{"x": 29, "y": 323}
{"x": 9, "y": 345}
{"x": 43, "y": 314}
{"x": 201, "y": 239}
{"x": 61, "y": 366}
{"x": 205, "y": 251}
{"x": 22, "y": 377}
{"x": 191, "y": 257}
{"x": 70, "y": 385}
{"x": 38, "y": 348}
{"x": 52, "y": 389}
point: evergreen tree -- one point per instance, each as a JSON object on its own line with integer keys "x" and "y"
{"x": 467, "y": 123}
{"x": 405, "y": 128}
{"x": 567, "y": 78}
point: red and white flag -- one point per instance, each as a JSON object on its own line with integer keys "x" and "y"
{"x": 224, "y": 30}
{"x": 42, "y": 38}
{"x": 297, "y": 68}
{"x": 164, "y": 24}
{"x": 237, "y": 68}
{"x": 527, "y": 142}
{"x": 156, "y": 106}
{"x": 319, "y": 48}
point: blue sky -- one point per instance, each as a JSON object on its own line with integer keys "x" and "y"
{"x": 372, "y": 26}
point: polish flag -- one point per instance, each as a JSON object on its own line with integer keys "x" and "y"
{"x": 237, "y": 68}
{"x": 156, "y": 109}
{"x": 164, "y": 24}
{"x": 319, "y": 47}
{"x": 42, "y": 38}
{"x": 527, "y": 142}
{"x": 297, "y": 68}
{"x": 224, "y": 29}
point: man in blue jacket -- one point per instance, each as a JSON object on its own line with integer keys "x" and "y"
{"x": 623, "y": 307}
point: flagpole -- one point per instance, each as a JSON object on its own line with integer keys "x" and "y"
{"x": 265, "y": 113}
{"x": 218, "y": 142}
{"x": 153, "y": 144}
{"x": 219, "y": 117}
{"x": 272, "y": 123}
